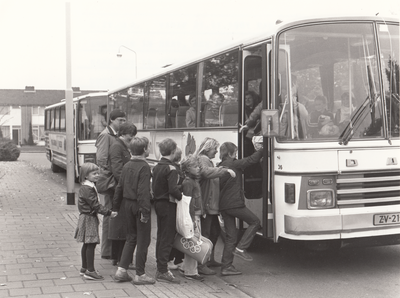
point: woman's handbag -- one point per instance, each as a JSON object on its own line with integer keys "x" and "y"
{"x": 184, "y": 222}
{"x": 105, "y": 182}
{"x": 198, "y": 249}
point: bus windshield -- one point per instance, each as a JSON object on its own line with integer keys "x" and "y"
{"x": 329, "y": 82}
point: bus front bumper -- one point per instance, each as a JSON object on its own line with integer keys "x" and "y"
{"x": 349, "y": 224}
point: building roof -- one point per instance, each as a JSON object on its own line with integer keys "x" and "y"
{"x": 31, "y": 97}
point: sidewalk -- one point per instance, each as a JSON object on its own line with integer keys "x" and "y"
{"x": 40, "y": 258}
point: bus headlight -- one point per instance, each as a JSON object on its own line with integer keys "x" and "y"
{"x": 320, "y": 199}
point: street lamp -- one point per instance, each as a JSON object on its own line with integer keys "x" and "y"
{"x": 119, "y": 54}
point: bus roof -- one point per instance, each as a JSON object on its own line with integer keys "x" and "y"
{"x": 62, "y": 102}
{"x": 278, "y": 27}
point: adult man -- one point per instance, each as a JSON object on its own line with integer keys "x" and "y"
{"x": 103, "y": 143}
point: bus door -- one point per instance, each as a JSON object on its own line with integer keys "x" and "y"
{"x": 255, "y": 91}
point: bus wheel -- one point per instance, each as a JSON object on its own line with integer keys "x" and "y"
{"x": 55, "y": 168}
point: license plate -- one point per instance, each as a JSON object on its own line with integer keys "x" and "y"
{"x": 386, "y": 219}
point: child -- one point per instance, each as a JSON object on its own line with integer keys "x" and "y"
{"x": 133, "y": 195}
{"x": 191, "y": 188}
{"x": 88, "y": 223}
{"x": 176, "y": 257}
{"x": 165, "y": 190}
{"x": 232, "y": 205}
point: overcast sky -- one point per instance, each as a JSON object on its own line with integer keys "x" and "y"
{"x": 33, "y": 35}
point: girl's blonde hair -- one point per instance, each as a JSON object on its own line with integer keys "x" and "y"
{"x": 87, "y": 168}
{"x": 207, "y": 145}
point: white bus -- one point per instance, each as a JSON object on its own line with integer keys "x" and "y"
{"x": 329, "y": 176}
{"x": 90, "y": 118}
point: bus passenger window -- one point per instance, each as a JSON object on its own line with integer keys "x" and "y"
{"x": 157, "y": 104}
{"x": 135, "y": 110}
{"x": 220, "y": 89}
{"x": 182, "y": 89}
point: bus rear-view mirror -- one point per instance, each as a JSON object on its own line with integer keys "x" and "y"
{"x": 270, "y": 123}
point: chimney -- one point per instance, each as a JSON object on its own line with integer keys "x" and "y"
{"x": 76, "y": 90}
{"x": 29, "y": 89}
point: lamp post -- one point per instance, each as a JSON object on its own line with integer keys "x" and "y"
{"x": 119, "y": 54}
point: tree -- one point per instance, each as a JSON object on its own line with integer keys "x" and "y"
{"x": 30, "y": 138}
{"x": 3, "y": 113}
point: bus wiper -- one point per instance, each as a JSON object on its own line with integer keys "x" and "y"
{"x": 359, "y": 116}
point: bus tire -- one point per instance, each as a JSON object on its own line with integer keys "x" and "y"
{"x": 55, "y": 168}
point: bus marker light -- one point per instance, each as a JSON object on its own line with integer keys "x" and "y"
{"x": 313, "y": 182}
{"x": 327, "y": 181}
{"x": 320, "y": 199}
{"x": 290, "y": 193}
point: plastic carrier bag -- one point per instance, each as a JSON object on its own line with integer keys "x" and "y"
{"x": 198, "y": 248}
{"x": 184, "y": 223}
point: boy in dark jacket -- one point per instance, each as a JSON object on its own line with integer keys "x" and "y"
{"x": 165, "y": 190}
{"x": 133, "y": 195}
{"x": 232, "y": 205}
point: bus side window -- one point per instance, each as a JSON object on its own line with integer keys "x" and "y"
{"x": 220, "y": 86}
{"x": 182, "y": 87}
{"x": 229, "y": 114}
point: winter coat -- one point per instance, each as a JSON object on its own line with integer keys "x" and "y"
{"x": 165, "y": 181}
{"x": 209, "y": 184}
{"x": 119, "y": 155}
{"x": 134, "y": 184}
{"x": 88, "y": 202}
{"x": 103, "y": 143}
{"x": 231, "y": 191}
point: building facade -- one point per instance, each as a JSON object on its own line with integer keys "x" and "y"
{"x": 22, "y": 111}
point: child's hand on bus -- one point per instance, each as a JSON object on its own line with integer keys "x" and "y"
{"x": 232, "y": 173}
{"x": 114, "y": 214}
{"x": 243, "y": 127}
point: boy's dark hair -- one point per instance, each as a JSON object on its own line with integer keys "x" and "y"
{"x": 86, "y": 168}
{"x": 137, "y": 145}
{"x": 167, "y": 146}
{"x": 227, "y": 148}
{"x": 127, "y": 128}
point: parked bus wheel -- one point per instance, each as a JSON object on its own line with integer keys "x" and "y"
{"x": 55, "y": 168}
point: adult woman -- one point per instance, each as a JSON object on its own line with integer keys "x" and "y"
{"x": 119, "y": 155}
{"x": 209, "y": 184}
{"x": 251, "y": 101}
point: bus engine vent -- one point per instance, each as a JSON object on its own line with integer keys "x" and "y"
{"x": 372, "y": 189}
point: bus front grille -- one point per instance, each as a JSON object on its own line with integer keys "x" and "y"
{"x": 370, "y": 189}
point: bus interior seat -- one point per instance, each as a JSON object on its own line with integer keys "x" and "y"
{"x": 229, "y": 114}
{"x": 181, "y": 116}
{"x": 151, "y": 119}
{"x": 209, "y": 117}
{"x": 172, "y": 115}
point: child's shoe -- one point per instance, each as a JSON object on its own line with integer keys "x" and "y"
{"x": 167, "y": 277}
{"x": 242, "y": 254}
{"x": 82, "y": 271}
{"x": 92, "y": 275}
{"x": 172, "y": 266}
{"x": 143, "y": 280}
{"x": 122, "y": 276}
{"x": 203, "y": 269}
{"x": 195, "y": 277}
